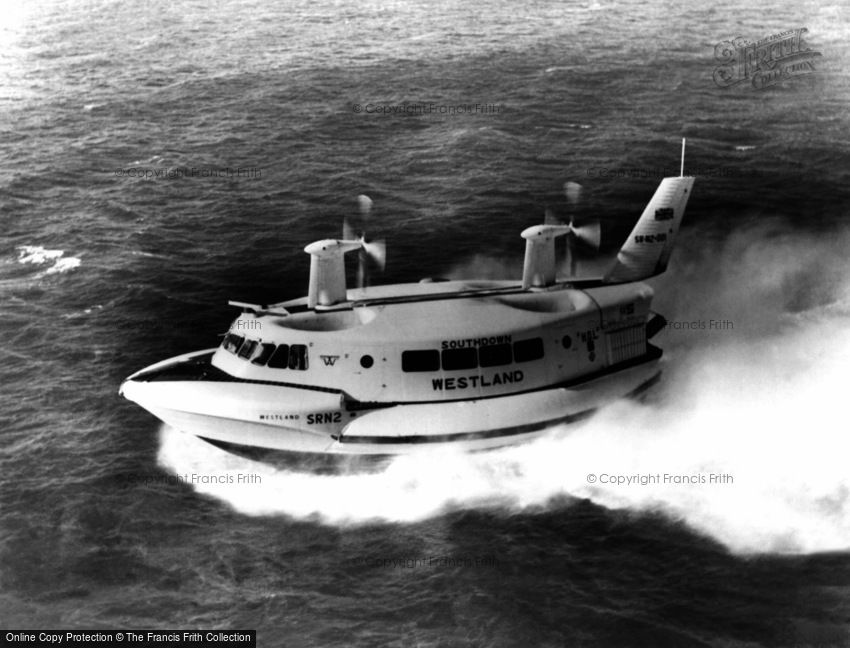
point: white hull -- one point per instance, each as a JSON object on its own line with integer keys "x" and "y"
{"x": 290, "y": 419}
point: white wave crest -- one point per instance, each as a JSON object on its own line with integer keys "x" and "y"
{"x": 56, "y": 260}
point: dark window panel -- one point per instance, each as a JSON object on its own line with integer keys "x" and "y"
{"x": 247, "y": 348}
{"x": 420, "y": 360}
{"x": 264, "y": 353}
{"x": 232, "y": 342}
{"x": 454, "y": 359}
{"x": 495, "y": 355}
{"x": 528, "y": 350}
{"x": 280, "y": 357}
{"x": 298, "y": 357}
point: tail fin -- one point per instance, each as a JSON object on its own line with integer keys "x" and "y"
{"x": 647, "y": 250}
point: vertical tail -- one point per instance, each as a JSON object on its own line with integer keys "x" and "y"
{"x": 647, "y": 250}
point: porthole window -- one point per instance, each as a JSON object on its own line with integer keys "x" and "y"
{"x": 366, "y": 361}
{"x": 567, "y": 341}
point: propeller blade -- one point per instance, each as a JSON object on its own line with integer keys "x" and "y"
{"x": 589, "y": 234}
{"x": 374, "y": 252}
{"x": 572, "y": 190}
{"x": 365, "y": 204}
{"x": 377, "y": 251}
{"x": 348, "y": 233}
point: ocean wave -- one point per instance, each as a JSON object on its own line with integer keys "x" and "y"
{"x": 55, "y": 260}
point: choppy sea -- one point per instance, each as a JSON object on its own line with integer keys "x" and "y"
{"x": 159, "y": 158}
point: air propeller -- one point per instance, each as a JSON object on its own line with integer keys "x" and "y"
{"x": 587, "y": 236}
{"x": 372, "y": 253}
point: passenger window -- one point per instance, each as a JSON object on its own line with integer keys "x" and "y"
{"x": 494, "y": 355}
{"x": 265, "y": 352}
{"x": 280, "y": 357}
{"x": 459, "y": 359}
{"x": 298, "y": 357}
{"x": 528, "y": 350}
{"x": 232, "y": 342}
{"x": 420, "y": 360}
{"x": 247, "y": 348}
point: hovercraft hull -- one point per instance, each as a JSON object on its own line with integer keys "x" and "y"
{"x": 249, "y": 414}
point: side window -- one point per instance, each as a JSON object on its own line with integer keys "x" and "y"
{"x": 247, "y": 348}
{"x": 459, "y": 359}
{"x": 232, "y": 342}
{"x": 298, "y": 357}
{"x": 280, "y": 357}
{"x": 528, "y": 350}
{"x": 264, "y": 353}
{"x": 495, "y": 355}
{"x": 420, "y": 360}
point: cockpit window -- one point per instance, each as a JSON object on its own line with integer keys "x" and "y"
{"x": 232, "y": 342}
{"x": 263, "y": 354}
{"x": 285, "y": 357}
{"x": 247, "y": 348}
{"x": 298, "y": 357}
{"x": 280, "y": 357}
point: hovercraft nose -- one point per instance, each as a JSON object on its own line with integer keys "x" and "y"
{"x": 130, "y": 388}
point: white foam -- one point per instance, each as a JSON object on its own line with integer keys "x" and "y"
{"x": 63, "y": 265}
{"x": 37, "y": 254}
{"x": 55, "y": 259}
